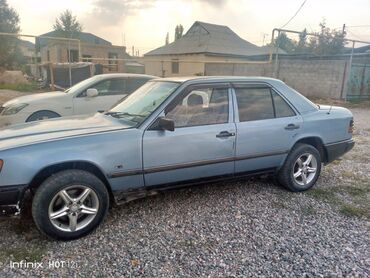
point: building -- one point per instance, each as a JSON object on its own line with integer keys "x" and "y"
{"x": 93, "y": 49}
{"x": 202, "y": 43}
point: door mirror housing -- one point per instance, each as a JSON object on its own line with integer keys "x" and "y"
{"x": 92, "y": 92}
{"x": 166, "y": 124}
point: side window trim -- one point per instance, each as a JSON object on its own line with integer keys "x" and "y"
{"x": 252, "y": 85}
{"x": 285, "y": 100}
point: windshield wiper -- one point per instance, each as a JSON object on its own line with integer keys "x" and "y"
{"x": 118, "y": 114}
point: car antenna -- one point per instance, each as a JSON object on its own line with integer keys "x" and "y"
{"x": 331, "y": 106}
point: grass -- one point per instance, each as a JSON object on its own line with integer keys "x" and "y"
{"x": 350, "y": 210}
{"x": 21, "y": 87}
{"x": 351, "y": 200}
{"x": 17, "y": 254}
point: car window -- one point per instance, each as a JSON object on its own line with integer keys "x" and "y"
{"x": 133, "y": 83}
{"x": 282, "y": 109}
{"x": 254, "y": 104}
{"x": 201, "y": 107}
{"x": 115, "y": 86}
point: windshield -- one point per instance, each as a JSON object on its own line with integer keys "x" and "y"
{"x": 81, "y": 84}
{"x": 141, "y": 103}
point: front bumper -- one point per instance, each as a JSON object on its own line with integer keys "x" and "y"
{"x": 10, "y": 199}
{"x": 337, "y": 149}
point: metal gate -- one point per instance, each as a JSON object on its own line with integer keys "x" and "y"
{"x": 359, "y": 82}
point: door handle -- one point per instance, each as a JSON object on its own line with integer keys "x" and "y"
{"x": 291, "y": 127}
{"x": 225, "y": 134}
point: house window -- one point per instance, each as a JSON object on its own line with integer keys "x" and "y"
{"x": 113, "y": 64}
{"x": 86, "y": 58}
{"x": 175, "y": 66}
{"x": 72, "y": 56}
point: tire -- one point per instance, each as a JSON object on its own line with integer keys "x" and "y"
{"x": 300, "y": 173}
{"x": 42, "y": 115}
{"x": 55, "y": 212}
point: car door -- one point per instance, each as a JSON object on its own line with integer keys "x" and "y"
{"x": 202, "y": 144}
{"x": 110, "y": 92}
{"x": 266, "y": 127}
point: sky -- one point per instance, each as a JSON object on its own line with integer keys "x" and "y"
{"x": 144, "y": 24}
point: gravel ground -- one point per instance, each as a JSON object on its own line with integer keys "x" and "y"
{"x": 249, "y": 227}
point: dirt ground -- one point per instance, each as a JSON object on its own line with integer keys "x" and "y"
{"x": 6, "y": 95}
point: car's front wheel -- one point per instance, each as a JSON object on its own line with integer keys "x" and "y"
{"x": 70, "y": 204}
{"x": 301, "y": 168}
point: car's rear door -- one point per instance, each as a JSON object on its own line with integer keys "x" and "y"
{"x": 266, "y": 126}
{"x": 202, "y": 144}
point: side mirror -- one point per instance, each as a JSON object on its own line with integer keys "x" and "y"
{"x": 166, "y": 124}
{"x": 92, "y": 92}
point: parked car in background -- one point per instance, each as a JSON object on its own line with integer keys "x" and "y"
{"x": 163, "y": 136}
{"x": 99, "y": 92}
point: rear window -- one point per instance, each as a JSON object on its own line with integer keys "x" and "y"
{"x": 261, "y": 103}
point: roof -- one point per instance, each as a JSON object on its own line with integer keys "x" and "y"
{"x": 210, "y": 39}
{"x": 183, "y": 79}
{"x": 26, "y": 44}
{"x": 361, "y": 49}
{"x": 83, "y": 36}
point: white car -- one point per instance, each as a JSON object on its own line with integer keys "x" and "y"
{"x": 94, "y": 94}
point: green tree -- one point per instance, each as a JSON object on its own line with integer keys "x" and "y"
{"x": 178, "y": 31}
{"x": 327, "y": 41}
{"x": 283, "y": 42}
{"x": 10, "y": 55}
{"x": 67, "y": 25}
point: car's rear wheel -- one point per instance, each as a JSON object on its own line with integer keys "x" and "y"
{"x": 42, "y": 115}
{"x": 301, "y": 169}
{"x": 70, "y": 204}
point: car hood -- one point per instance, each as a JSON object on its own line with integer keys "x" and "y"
{"x": 36, "y": 97}
{"x": 58, "y": 128}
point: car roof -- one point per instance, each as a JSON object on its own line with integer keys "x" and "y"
{"x": 196, "y": 79}
{"x": 301, "y": 103}
{"x": 120, "y": 75}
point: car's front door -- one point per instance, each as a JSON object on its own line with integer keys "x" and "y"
{"x": 266, "y": 127}
{"x": 110, "y": 92}
{"x": 202, "y": 144}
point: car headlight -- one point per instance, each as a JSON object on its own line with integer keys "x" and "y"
{"x": 14, "y": 109}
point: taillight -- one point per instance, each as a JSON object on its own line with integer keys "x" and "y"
{"x": 351, "y": 126}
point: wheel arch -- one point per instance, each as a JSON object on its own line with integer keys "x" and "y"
{"x": 87, "y": 166}
{"x": 315, "y": 142}
{"x": 43, "y": 110}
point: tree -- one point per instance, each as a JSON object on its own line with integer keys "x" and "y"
{"x": 178, "y": 31}
{"x": 283, "y": 42}
{"x": 327, "y": 41}
{"x": 167, "y": 38}
{"x": 67, "y": 25}
{"x": 10, "y": 55}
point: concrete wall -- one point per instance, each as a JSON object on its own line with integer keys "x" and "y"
{"x": 319, "y": 78}
{"x": 162, "y": 67}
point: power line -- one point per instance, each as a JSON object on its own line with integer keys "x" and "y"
{"x": 294, "y": 15}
